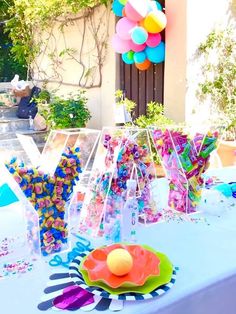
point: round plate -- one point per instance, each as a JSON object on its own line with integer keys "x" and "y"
{"x": 95, "y": 270}
{"x": 152, "y": 282}
{"x": 131, "y": 296}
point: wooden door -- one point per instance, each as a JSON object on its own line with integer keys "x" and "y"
{"x": 142, "y": 86}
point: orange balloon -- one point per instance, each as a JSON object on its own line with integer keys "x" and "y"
{"x": 141, "y": 23}
{"x": 143, "y": 66}
{"x": 123, "y": 12}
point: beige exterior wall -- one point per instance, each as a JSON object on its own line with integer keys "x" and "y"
{"x": 100, "y": 99}
{"x": 189, "y": 23}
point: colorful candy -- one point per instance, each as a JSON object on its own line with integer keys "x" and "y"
{"x": 185, "y": 160}
{"x": 127, "y": 158}
{"x": 49, "y": 194}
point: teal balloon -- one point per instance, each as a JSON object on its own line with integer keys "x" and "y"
{"x": 156, "y": 54}
{"x": 128, "y": 57}
{"x": 159, "y": 6}
{"x": 117, "y": 8}
{"x": 139, "y": 35}
{"x": 139, "y": 57}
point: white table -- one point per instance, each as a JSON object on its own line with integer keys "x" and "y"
{"x": 206, "y": 281}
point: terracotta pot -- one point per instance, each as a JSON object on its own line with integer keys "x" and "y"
{"x": 227, "y": 153}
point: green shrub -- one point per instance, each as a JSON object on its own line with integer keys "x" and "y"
{"x": 64, "y": 112}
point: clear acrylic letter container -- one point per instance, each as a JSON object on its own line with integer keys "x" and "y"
{"x": 19, "y": 228}
{"x": 185, "y": 157}
{"x": 119, "y": 191}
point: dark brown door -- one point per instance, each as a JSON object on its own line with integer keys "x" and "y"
{"x": 142, "y": 86}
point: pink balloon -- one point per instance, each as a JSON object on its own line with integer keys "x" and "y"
{"x": 153, "y": 40}
{"x": 137, "y": 48}
{"x": 124, "y": 27}
{"x": 132, "y": 14}
{"x": 120, "y": 45}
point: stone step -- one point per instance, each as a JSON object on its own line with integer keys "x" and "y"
{"x": 38, "y": 136}
{"x": 13, "y": 125}
{"x": 8, "y": 112}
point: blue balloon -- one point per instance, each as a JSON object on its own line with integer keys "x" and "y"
{"x": 139, "y": 57}
{"x": 159, "y": 6}
{"x": 156, "y": 54}
{"x": 139, "y": 35}
{"x": 117, "y": 8}
{"x": 128, "y": 57}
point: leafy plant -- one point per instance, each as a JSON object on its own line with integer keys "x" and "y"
{"x": 122, "y": 100}
{"x": 8, "y": 65}
{"x": 219, "y": 73}
{"x": 154, "y": 117}
{"x": 64, "y": 112}
{"x": 27, "y": 19}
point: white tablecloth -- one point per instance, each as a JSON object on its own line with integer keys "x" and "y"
{"x": 205, "y": 253}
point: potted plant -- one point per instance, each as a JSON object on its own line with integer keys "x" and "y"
{"x": 64, "y": 112}
{"x": 154, "y": 117}
{"x": 218, "y": 87}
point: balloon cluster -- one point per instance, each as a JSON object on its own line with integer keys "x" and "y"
{"x": 137, "y": 35}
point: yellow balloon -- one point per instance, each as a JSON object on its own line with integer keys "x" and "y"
{"x": 155, "y": 22}
{"x": 119, "y": 262}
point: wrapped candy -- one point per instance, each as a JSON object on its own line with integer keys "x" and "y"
{"x": 185, "y": 160}
{"x": 49, "y": 194}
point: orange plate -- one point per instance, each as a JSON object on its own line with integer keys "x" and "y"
{"x": 145, "y": 264}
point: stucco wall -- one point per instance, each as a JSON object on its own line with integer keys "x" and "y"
{"x": 66, "y": 72}
{"x": 189, "y": 23}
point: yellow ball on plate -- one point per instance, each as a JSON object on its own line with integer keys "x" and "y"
{"x": 119, "y": 262}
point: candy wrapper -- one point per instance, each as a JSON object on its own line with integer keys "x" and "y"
{"x": 123, "y": 155}
{"x": 185, "y": 158}
{"x": 49, "y": 194}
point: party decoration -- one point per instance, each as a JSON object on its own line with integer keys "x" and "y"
{"x": 70, "y": 290}
{"x": 117, "y": 8}
{"x": 139, "y": 31}
{"x": 120, "y": 45}
{"x": 134, "y": 265}
{"x": 124, "y": 28}
{"x": 152, "y": 282}
{"x": 137, "y": 48}
{"x": 155, "y": 22}
{"x": 156, "y": 54}
{"x": 148, "y": 291}
{"x": 144, "y": 65}
{"x": 50, "y": 191}
{"x": 122, "y": 155}
{"x": 62, "y": 288}
{"x": 185, "y": 159}
{"x": 139, "y": 57}
{"x": 49, "y": 194}
{"x": 153, "y": 40}
{"x": 119, "y": 262}
{"x": 19, "y": 229}
{"x": 136, "y": 10}
{"x": 128, "y": 57}
{"x": 73, "y": 298}
{"x": 139, "y": 35}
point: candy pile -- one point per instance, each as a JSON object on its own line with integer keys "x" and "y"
{"x": 185, "y": 160}
{"x": 4, "y": 246}
{"x": 19, "y": 267}
{"x": 49, "y": 194}
{"x": 108, "y": 190}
